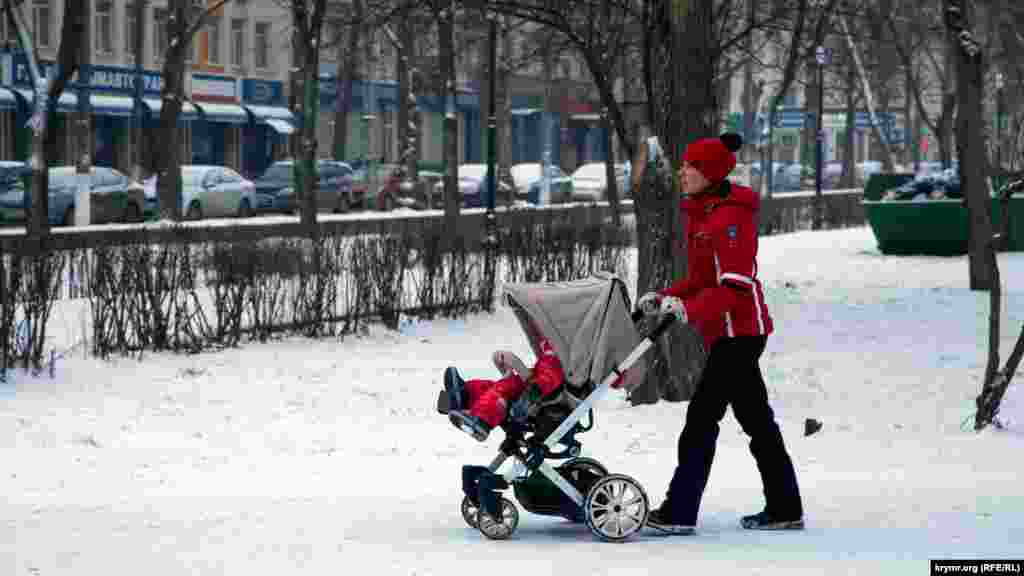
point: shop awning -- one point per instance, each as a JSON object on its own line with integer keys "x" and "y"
{"x": 279, "y": 118}
{"x": 102, "y": 104}
{"x": 106, "y": 105}
{"x": 188, "y": 111}
{"x": 68, "y": 101}
{"x": 223, "y": 113}
{"x": 7, "y": 99}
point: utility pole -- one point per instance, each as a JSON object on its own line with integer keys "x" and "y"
{"x": 139, "y": 9}
{"x": 545, "y": 182}
{"x": 82, "y": 210}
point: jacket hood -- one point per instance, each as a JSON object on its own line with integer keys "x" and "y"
{"x": 742, "y": 196}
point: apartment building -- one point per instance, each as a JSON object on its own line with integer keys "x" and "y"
{"x": 235, "y": 79}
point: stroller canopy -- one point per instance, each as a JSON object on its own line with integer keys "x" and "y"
{"x": 588, "y": 322}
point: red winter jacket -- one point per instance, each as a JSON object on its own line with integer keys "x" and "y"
{"x": 547, "y": 372}
{"x": 721, "y": 293}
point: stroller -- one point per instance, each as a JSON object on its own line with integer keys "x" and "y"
{"x": 596, "y": 339}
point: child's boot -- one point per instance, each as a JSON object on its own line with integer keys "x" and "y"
{"x": 456, "y": 389}
{"x": 472, "y": 425}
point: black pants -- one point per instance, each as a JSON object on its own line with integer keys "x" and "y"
{"x": 732, "y": 375}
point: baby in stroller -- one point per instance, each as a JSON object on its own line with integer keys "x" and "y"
{"x": 478, "y": 406}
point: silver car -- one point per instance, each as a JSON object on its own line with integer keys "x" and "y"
{"x": 211, "y": 192}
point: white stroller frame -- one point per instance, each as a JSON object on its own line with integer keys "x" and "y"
{"x": 596, "y": 310}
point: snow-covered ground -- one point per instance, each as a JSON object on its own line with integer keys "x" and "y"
{"x": 327, "y": 457}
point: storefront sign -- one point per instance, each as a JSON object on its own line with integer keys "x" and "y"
{"x": 209, "y": 88}
{"x": 263, "y": 92}
{"x": 106, "y": 79}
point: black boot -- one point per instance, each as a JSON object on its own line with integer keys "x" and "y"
{"x": 765, "y": 521}
{"x": 661, "y": 519}
{"x": 470, "y": 424}
{"x": 456, "y": 389}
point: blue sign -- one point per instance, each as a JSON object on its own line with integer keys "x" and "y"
{"x": 106, "y": 79}
{"x": 263, "y": 92}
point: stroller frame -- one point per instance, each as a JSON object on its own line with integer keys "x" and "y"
{"x": 601, "y": 501}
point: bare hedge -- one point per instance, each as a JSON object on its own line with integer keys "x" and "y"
{"x": 190, "y": 288}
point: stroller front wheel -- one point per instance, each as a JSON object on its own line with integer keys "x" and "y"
{"x": 616, "y": 508}
{"x": 500, "y": 528}
{"x": 469, "y": 511}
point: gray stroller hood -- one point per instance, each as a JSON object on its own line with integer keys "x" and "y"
{"x": 588, "y": 322}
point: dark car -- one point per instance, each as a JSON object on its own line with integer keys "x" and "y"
{"x": 113, "y": 196}
{"x": 333, "y": 187}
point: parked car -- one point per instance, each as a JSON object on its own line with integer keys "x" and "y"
{"x": 473, "y": 186}
{"x": 590, "y": 182}
{"x": 334, "y": 187}
{"x": 526, "y": 179}
{"x": 113, "y": 196}
{"x": 210, "y": 192}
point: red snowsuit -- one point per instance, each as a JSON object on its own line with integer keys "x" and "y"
{"x": 721, "y": 292}
{"x": 489, "y": 399}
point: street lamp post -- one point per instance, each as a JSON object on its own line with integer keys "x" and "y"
{"x": 822, "y": 56}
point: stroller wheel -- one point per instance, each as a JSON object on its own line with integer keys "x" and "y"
{"x": 615, "y": 508}
{"x": 469, "y": 511}
{"x": 499, "y": 529}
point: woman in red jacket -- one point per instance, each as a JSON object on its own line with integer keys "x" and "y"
{"x": 722, "y": 297}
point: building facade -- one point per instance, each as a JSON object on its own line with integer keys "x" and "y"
{"x": 235, "y": 74}
{"x": 237, "y": 82}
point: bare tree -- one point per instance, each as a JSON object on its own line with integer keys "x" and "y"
{"x": 970, "y": 142}
{"x": 997, "y": 381}
{"x": 445, "y": 13}
{"x": 182, "y": 24}
{"x": 347, "y": 76}
{"x": 47, "y": 91}
{"x": 307, "y": 21}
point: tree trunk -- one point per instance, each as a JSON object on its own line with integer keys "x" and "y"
{"x": 452, "y": 197}
{"x": 172, "y": 93}
{"x": 683, "y": 85}
{"x": 84, "y": 138}
{"x": 505, "y": 108}
{"x": 140, "y": 145}
{"x": 608, "y": 66}
{"x": 970, "y": 143}
{"x": 849, "y": 140}
{"x": 409, "y": 138}
{"x": 949, "y": 102}
{"x": 44, "y": 115}
{"x": 348, "y": 74}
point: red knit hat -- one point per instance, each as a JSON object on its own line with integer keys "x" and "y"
{"x": 713, "y": 157}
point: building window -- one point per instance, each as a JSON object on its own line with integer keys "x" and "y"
{"x": 213, "y": 40}
{"x": 103, "y": 27}
{"x": 41, "y": 23}
{"x": 262, "y": 45}
{"x": 159, "y": 34}
{"x": 131, "y": 35}
{"x": 238, "y": 43}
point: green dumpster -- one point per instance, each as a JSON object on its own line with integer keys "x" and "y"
{"x": 934, "y": 227}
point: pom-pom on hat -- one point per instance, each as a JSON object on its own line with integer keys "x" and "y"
{"x": 714, "y": 157}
